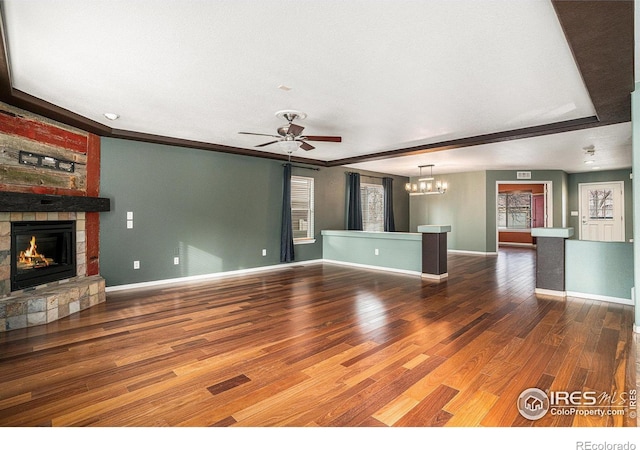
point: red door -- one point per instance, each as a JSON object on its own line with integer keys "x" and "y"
{"x": 537, "y": 217}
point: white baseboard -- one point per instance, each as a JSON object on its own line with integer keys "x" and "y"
{"x": 469, "y": 252}
{"x": 433, "y": 277}
{"x": 602, "y": 298}
{"x": 367, "y": 266}
{"x": 209, "y": 276}
{"x": 551, "y": 293}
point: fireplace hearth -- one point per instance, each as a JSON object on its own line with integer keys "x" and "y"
{"x": 41, "y": 304}
{"x": 42, "y": 252}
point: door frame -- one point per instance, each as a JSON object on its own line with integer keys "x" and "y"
{"x": 622, "y": 206}
{"x": 548, "y": 189}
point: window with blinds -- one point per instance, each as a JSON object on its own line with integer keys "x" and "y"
{"x": 372, "y": 198}
{"x": 302, "y": 208}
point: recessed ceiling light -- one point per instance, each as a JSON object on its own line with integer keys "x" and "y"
{"x": 284, "y": 88}
{"x": 589, "y": 161}
{"x": 595, "y": 168}
{"x": 111, "y": 116}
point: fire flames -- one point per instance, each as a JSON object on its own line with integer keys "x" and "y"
{"x": 31, "y": 258}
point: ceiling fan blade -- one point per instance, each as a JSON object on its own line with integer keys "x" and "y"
{"x": 323, "y": 138}
{"x": 267, "y": 143}
{"x": 305, "y": 146}
{"x": 258, "y": 134}
{"x": 295, "y": 129}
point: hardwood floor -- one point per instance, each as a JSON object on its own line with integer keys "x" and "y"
{"x": 321, "y": 345}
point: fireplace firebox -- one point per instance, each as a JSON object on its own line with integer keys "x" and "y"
{"x": 42, "y": 252}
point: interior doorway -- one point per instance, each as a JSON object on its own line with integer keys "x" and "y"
{"x": 521, "y": 206}
{"x": 601, "y": 211}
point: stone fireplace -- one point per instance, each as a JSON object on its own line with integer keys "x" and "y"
{"x": 49, "y": 220}
{"x": 52, "y": 300}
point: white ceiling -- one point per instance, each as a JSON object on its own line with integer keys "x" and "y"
{"x": 383, "y": 74}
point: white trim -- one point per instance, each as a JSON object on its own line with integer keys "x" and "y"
{"x": 209, "y": 276}
{"x": 636, "y": 328}
{"x": 469, "y": 252}
{"x": 548, "y": 204}
{"x": 602, "y": 298}
{"x": 433, "y": 277}
{"x": 367, "y": 266}
{"x": 550, "y": 293}
{"x": 303, "y": 241}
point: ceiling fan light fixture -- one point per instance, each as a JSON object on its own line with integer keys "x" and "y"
{"x": 290, "y": 137}
{"x": 289, "y": 146}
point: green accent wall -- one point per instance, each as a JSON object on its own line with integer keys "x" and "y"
{"x": 215, "y": 211}
{"x": 463, "y": 207}
{"x": 599, "y": 268}
{"x": 400, "y": 251}
{"x": 596, "y": 177}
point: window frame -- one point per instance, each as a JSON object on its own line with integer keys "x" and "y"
{"x": 310, "y": 200}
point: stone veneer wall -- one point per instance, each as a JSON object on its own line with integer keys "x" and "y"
{"x": 49, "y": 302}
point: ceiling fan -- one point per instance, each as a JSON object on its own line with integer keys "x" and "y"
{"x": 293, "y": 133}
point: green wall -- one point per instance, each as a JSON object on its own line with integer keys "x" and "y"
{"x": 599, "y": 268}
{"x": 469, "y": 205}
{"x": 463, "y": 207}
{"x": 215, "y": 211}
{"x": 399, "y": 251}
{"x": 597, "y": 177}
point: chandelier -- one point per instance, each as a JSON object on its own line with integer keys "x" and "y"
{"x": 426, "y": 185}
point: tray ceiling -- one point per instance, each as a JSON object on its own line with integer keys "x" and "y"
{"x": 402, "y": 82}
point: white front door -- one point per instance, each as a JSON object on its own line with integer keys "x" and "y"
{"x": 602, "y": 211}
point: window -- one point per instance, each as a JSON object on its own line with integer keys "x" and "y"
{"x": 514, "y": 210}
{"x": 601, "y": 204}
{"x": 302, "y": 208}
{"x": 372, "y": 198}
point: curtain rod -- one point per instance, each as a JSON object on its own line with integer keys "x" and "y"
{"x": 369, "y": 176}
{"x": 303, "y": 167}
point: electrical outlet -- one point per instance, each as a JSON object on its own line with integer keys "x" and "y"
{"x": 136, "y": 264}
{"x": 264, "y": 252}
{"x": 176, "y": 260}
{"x": 376, "y": 252}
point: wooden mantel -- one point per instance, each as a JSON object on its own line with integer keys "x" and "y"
{"x": 25, "y": 202}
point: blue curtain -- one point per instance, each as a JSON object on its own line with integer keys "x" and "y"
{"x": 354, "y": 208}
{"x": 286, "y": 232}
{"x": 389, "y": 223}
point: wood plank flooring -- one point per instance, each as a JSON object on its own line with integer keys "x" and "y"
{"x": 321, "y": 345}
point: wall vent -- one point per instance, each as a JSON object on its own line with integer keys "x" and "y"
{"x": 523, "y": 175}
